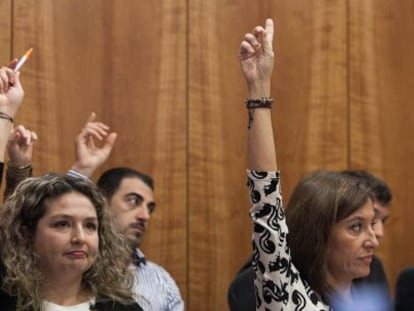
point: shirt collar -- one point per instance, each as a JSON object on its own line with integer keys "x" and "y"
{"x": 138, "y": 257}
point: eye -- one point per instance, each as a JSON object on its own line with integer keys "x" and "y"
{"x": 356, "y": 227}
{"x": 62, "y": 224}
{"x": 134, "y": 200}
{"x": 91, "y": 226}
{"x": 151, "y": 207}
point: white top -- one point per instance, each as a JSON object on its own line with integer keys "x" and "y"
{"x": 84, "y": 306}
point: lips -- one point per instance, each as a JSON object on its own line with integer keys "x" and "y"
{"x": 138, "y": 227}
{"x": 76, "y": 254}
{"x": 366, "y": 259}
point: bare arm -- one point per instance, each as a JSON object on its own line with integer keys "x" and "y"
{"x": 256, "y": 61}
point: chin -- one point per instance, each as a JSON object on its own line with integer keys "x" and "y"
{"x": 362, "y": 273}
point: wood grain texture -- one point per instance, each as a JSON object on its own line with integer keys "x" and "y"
{"x": 382, "y": 122}
{"x": 125, "y": 60}
{"x": 310, "y": 86}
{"x": 165, "y": 76}
{"x": 5, "y": 31}
{"x": 310, "y": 119}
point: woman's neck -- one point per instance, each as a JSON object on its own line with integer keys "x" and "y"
{"x": 65, "y": 292}
{"x": 342, "y": 288}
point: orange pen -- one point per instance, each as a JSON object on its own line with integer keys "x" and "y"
{"x": 23, "y": 59}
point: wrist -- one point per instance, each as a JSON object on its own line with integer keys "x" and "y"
{"x": 83, "y": 170}
{"x": 19, "y": 165}
{"x": 259, "y": 89}
{"x": 19, "y": 170}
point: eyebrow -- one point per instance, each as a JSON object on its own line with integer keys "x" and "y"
{"x": 65, "y": 216}
{"x": 360, "y": 218}
{"x": 135, "y": 194}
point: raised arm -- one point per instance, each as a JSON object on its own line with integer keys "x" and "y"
{"x": 11, "y": 97}
{"x": 256, "y": 61}
{"x": 89, "y": 155}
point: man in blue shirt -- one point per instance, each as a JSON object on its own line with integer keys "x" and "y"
{"x": 131, "y": 200}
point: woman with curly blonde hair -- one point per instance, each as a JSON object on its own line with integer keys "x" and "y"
{"x": 60, "y": 249}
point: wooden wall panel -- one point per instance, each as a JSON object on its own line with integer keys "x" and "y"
{"x": 382, "y": 122}
{"x": 5, "y": 31}
{"x": 125, "y": 60}
{"x": 175, "y": 96}
{"x": 310, "y": 112}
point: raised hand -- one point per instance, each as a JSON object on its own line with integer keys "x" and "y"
{"x": 11, "y": 90}
{"x": 89, "y": 156}
{"x": 20, "y": 146}
{"x": 256, "y": 56}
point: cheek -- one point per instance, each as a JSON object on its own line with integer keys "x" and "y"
{"x": 94, "y": 243}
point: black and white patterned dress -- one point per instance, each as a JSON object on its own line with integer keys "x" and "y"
{"x": 278, "y": 284}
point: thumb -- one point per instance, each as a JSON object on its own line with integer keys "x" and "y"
{"x": 12, "y": 63}
{"x": 110, "y": 141}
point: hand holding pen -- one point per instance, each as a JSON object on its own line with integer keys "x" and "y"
{"x": 11, "y": 91}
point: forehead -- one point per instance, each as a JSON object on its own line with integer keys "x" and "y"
{"x": 381, "y": 211}
{"x": 71, "y": 204}
{"x": 365, "y": 211}
{"x": 135, "y": 185}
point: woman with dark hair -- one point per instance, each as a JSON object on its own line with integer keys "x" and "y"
{"x": 60, "y": 249}
{"x": 330, "y": 240}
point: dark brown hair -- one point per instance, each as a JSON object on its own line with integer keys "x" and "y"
{"x": 319, "y": 201}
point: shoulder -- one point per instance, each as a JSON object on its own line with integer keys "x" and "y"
{"x": 404, "y": 291}
{"x": 406, "y": 277}
{"x": 155, "y": 268}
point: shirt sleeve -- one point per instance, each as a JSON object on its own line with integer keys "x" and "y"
{"x": 278, "y": 284}
{"x": 14, "y": 175}
{"x": 174, "y": 300}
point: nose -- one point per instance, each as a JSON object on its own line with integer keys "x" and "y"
{"x": 78, "y": 235}
{"x": 143, "y": 213}
{"x": 379, "y": 229}
{"x": 372, "y": 241}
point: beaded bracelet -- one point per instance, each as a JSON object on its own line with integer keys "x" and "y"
{"x": 6, "y": 117}
{"x": 264, "y": 102}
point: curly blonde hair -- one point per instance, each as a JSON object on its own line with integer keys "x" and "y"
{"x": 109, "y": 277}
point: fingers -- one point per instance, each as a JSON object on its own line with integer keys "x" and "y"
{"x": 13, "y": 63}
{"x": 249, "y": 46}
{"x": 22, "y": 136}
{"x": 110, "y": 141}
{"x": 92, "y": 117}
{"x": 265, "y": 35}
{"x": 96, "y": 129}
{"x": 246, "y": 50}
{"x": 7, "y": 79}
{"x": 261, "y": 39}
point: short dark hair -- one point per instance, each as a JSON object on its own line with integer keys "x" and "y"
{"x": 379, "y": 190}
{"x": 111, "y": 179}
